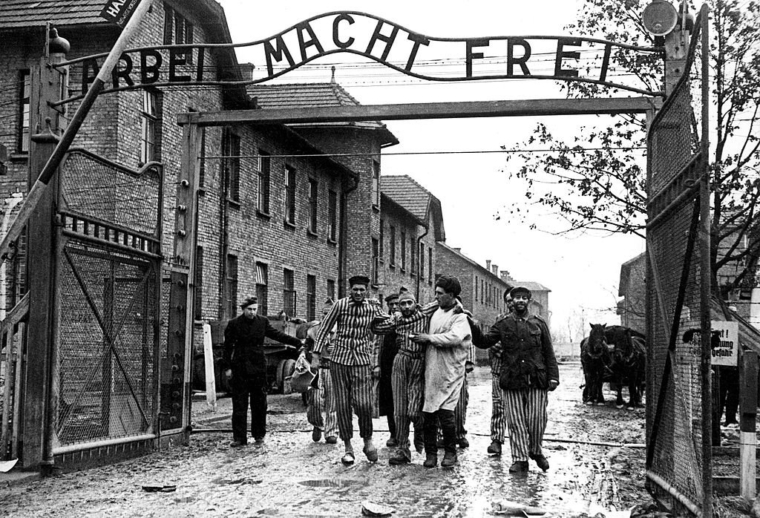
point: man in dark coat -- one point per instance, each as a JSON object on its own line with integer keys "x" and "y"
{"x": 529, "y": 370}
{"x": 246, "y": 367}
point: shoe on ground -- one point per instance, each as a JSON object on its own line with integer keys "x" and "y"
{"x": 399, "y": 457}
{"x": 520, "y": 466}
{"x": 463, "y": 443}
{"x": 494, "y": 448}
{"x": 391, "y": 443}
{"x": 348, "y": 458}
{"x": 449, "y": 460}
{"x": 316, "y": 434}
{"x": 431, "y": 460}
{"x": 331, "y": 440}
{"x": 371, "y": 452}
{"x": 237, "y": 444}
{"x": 258, "y": 441}
{"x": 541, "y": 461}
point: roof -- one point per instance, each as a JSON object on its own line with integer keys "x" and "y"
{"x": 458, "y": 253}
{"x": 36, "y": 13}
{"x": 625, "y": 273}
{"x": 414, "y": 199}
{"x": 532, "y": 285}
{"x": 313, "y": 95}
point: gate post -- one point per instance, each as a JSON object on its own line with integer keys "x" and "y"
{"x": 176, "y": 367}
{"x": 40, "y": 377}
{"x": 748, "y": 409}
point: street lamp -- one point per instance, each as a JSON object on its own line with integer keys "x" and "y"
{"x": 659, "y": 17}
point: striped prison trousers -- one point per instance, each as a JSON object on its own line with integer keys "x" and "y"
{"x": 321, "y": 410}
{"x": 353, "y": 393}
{"x": 526, "y": 417}
{"x": 460, "y": 412}
{"x": 408, "y": 388}
{"x": 498, "y": 419}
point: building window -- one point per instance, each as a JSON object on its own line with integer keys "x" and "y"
{"x": 482, "y": 289}
{"x": 313, "y": 193}
{"x": 177, "y": 30}
{"x": 230, "y": 286}
{"x": 392, "y": 246}
{"x": 290, "y": 195}
{"x": 422, "y": 261}
{"x": 375, "y": 261}
{"x": 202, "y": 173}
{"x": 289, "y": 292}
{"x": 381, "y": 243}
{"x": 403, "y": 251}
{"x": 476, "y": 288}
{"x": 430, "y": 265}
{"x": 24, "y": 91}
{"x": 231, "y": 165}
{"x": 150, "y": 117}
{"x": 332, "y": 216}
{"x": 198, "y": 288}
{"x": 412, "y": 256}
{"x": 375, "y": 183}
{"x": 331, "y": 289}
{"x": 262, "y": 288}
{"x": 311, "y": 297}
{"x": 264, "y": 179}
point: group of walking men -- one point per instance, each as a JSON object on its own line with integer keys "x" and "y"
{"x": 432, "y": 345}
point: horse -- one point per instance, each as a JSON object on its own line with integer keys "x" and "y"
{"x": 627, "y": 350}
{"x": 595, "y": 359}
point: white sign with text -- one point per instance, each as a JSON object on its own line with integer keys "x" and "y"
{"x": 726, "y": 353}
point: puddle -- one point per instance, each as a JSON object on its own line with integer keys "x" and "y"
{"x": 236, "y": 481}
{"x": 335, "y": 482}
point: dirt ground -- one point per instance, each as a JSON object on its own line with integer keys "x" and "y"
{"x": 597, "y": 461}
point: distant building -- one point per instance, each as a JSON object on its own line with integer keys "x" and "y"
{"x": 411, "y": 223}
{"x": 539, "y": 302}
{"x": 482, "y": 288}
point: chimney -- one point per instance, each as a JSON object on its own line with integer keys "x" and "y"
{"x": 246, "y": 70}
{"x": 458, "y": 250}
{"x": 506, "y": 277}
{"x": 488, "y": 265}
{"x": 495, "y": 269}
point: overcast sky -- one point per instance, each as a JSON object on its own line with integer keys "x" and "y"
{"x": 582, "y": 271}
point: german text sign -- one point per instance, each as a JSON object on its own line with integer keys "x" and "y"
{"x": 726, "y": 352}
{"x": 119, "y": 12}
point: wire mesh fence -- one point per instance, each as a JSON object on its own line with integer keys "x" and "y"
{"x": 674, "y": 378}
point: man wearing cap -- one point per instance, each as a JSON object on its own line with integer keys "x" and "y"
{"x": 354, "y": 363}
{"x": 445, "y": 356}
{"x": 387, "y": 351}
{"x": 529, "y": 370}
{"x": 408, "y": 372}
{"x": 246, "y": 366}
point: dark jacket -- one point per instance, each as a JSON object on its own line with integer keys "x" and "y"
{"x": 243, "y": 345}
{"x": 527, "y": 353}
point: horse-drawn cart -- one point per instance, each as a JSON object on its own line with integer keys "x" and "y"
{"x": 281, "y": 358}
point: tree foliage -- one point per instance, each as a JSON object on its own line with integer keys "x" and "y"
{"x": 596, "y": 180}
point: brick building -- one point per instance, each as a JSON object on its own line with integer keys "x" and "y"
{"x": 482, "y": 287}
{"x": 631, "y": 307}
{"x": 405, "y": 252}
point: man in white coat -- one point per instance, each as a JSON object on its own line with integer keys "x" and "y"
{"x": 445, "y": 357}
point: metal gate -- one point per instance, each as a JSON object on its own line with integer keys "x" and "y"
{"x": 678, "y": 449}
{"x": 107, "y": 312}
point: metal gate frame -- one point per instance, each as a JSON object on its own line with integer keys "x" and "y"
{"x": 120, "y": 409}
{"x": 679, "y": 416}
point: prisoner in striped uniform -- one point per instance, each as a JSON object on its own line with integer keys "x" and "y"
{"x": 529, "y": 370}
{"x": 354, "y": 363}
{"x": 498, "y": 417}
{"x": 408, "y": 372}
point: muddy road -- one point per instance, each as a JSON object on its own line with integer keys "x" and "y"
{"x": 293, "y": 476}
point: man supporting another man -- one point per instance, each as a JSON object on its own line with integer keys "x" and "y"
{"x": 388, "y": 348}
{"x": 354, "y": 363}
{"x": 445, "y": 358}
{"x": 529, "y": 370}
{"x": 246, "y": 366}
{"x": 320, "y": 412}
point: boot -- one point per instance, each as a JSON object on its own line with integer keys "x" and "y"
{"x": 541, "y": 461}
{"x": 431, "y": 460}
{"x": 449, "y": 460}
{"x": 494, "y": 448}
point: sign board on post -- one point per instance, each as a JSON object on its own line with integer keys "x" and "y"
{"x": 119, "y": 12}
{"x": 726, "y": 353}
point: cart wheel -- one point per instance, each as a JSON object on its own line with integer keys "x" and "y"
{"x": 287, "y": 367}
